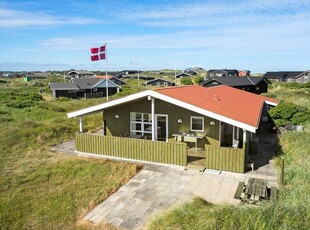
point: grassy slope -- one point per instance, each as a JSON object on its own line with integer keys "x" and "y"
{"x": 292, "y": 211}
{"x": 43, "y": 190}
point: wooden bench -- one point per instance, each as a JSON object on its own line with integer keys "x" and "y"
{"x": 239, "y": 190}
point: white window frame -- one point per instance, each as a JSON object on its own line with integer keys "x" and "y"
{"x": 95, "y": 89}
{"x": 165, "y": 83}
{"x": 142, "y": 123}
{"x": 203, "y": 124}
{"x": 158, "y": 83}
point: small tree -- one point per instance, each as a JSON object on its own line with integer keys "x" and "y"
{"x": 198, "y": 80}
{"x": 186, "y": 81}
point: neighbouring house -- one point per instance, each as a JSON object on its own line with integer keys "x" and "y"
{"x": 159, "y": 82}
{"x": 194, "y": 71}
{"x": 84, "y": 87}
{"x": 64, "y": 89}
{"x": 244, "y": 73}
{"x": 255, "y": 85}
{"x": 113, "y": 79}
{"x": 181, "y": 75}
{"x": 159, "y": 125}
{"x": 80, "y": 74}
{"x": 122, "y": 73}
{"x": 222, "y": 73}
{"x": 137, "y": 76}
{"x": 289, "y": 76}
{"x": 34, "y": 76}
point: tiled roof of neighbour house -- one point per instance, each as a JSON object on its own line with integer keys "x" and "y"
{"x": 81, "y": 72}
{"x": 63, "y": 86}
{"x": 224, "y": 103}
{"x": 236, "y": 81}
{"x": 86, "y": 83}
{"x": 157, "y": 79}
{"x": 282, "y": 74}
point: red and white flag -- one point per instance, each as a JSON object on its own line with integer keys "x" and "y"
{"x": 98, "y": 53}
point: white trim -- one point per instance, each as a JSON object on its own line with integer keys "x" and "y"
{"x": 156, "y": 126}
{"x": 168, "y": 99}
{"x": 203, "y": 124}
{"x": 107, "y": 81}
{"x": 154, "y": 132}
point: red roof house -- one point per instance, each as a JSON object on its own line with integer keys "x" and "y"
{"x": 219, "y": 116}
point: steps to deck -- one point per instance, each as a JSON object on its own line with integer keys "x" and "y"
{"x": 192, "y": 167}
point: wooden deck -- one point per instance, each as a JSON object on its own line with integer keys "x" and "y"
{"x": 196, "y": 157}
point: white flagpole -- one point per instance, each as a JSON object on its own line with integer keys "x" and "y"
{"x": 106, "y": 74}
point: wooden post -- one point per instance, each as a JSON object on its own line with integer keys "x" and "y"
{"x": 153, "y": 119}
{"x": 81, "y": 124}
{"x": 282, "y": 172}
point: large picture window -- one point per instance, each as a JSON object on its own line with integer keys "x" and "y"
{"x": 140, "y": 124}
{"x": 197, "y": 124}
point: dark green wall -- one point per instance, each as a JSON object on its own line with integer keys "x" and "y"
{"x": 121, "y": 126}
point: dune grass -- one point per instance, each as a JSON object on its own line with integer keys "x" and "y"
{"x": 40, "y": 189}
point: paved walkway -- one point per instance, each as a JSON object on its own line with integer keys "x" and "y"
{"x": 158, "y": 187}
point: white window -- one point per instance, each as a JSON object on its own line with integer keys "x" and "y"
{"x": 165, "y": 83}
{"x": 95, "y": 89}
{"x": 257, "y": 88}
{"x": 197, "y": 124}
{"x": 158, "y": 83}
{"x": 140, "y": 123}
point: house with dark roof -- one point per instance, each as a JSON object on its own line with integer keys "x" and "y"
{"x": 113, "y": 79}
{"x": 159, "y": 82}
{"x": 64, "y": 89}
{"x": 255, "y": 85}
{"x": 84, "y": 87}
{"x": 289, "y": 76}
{"x": 222, "y": 72}
{"x": 181, "y": 75}
{"x": 34, "y": 76}
{"x": 80, "y": 74}
{"x": 163, "y": 125}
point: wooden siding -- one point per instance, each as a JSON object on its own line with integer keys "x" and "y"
{"x": 145, "y": 150}
{"x": 227, "y": 159}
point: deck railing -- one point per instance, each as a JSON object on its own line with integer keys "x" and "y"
{"x": 145, "y": 150}
{"x": 227, "y": 159}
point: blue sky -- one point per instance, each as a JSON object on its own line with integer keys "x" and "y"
{"x": 257, "y": 35}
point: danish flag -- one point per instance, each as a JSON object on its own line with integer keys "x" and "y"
{"x": 98, "y": 53}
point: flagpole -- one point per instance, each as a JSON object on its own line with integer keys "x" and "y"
{"x": 106, "y": 74}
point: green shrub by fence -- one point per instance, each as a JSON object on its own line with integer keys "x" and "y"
{"x": 145, "y": 150}
{"x": 227, "y": 159}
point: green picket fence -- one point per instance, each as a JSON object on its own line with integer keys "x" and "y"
{"x": 145, "y": 150}
{"x": 226, "y": 159}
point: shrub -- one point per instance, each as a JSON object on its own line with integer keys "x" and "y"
{"x": 198, "y": 80}
{"x": 286, "y": 113}
{"x": 186, "y": 81}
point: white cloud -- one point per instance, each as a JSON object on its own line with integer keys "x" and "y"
{"x": 22, "y": 19}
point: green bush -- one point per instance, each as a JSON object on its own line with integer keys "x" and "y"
{"x": 186, "y": 81}
{"x": 198, "y": 80}
{"x": 286, "y": 113}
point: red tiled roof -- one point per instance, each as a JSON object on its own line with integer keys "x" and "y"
{"x": 223, "y": 100}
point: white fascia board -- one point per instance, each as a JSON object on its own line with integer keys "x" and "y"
{"x": 109, "y": 104}
{"x": 271, "y": 103}
{"x": 203, "y": 111}
{"x": 109, "y": 82}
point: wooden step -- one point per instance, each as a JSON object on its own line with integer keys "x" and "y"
{"x": 192, "y": 167}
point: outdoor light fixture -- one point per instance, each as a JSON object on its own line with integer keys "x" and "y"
{"x": 212, "y": 123}
{"x": 180, "y": 121}
{"x": 116, "y": 116}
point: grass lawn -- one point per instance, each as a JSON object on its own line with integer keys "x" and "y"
{"x": 40, "y": 189}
